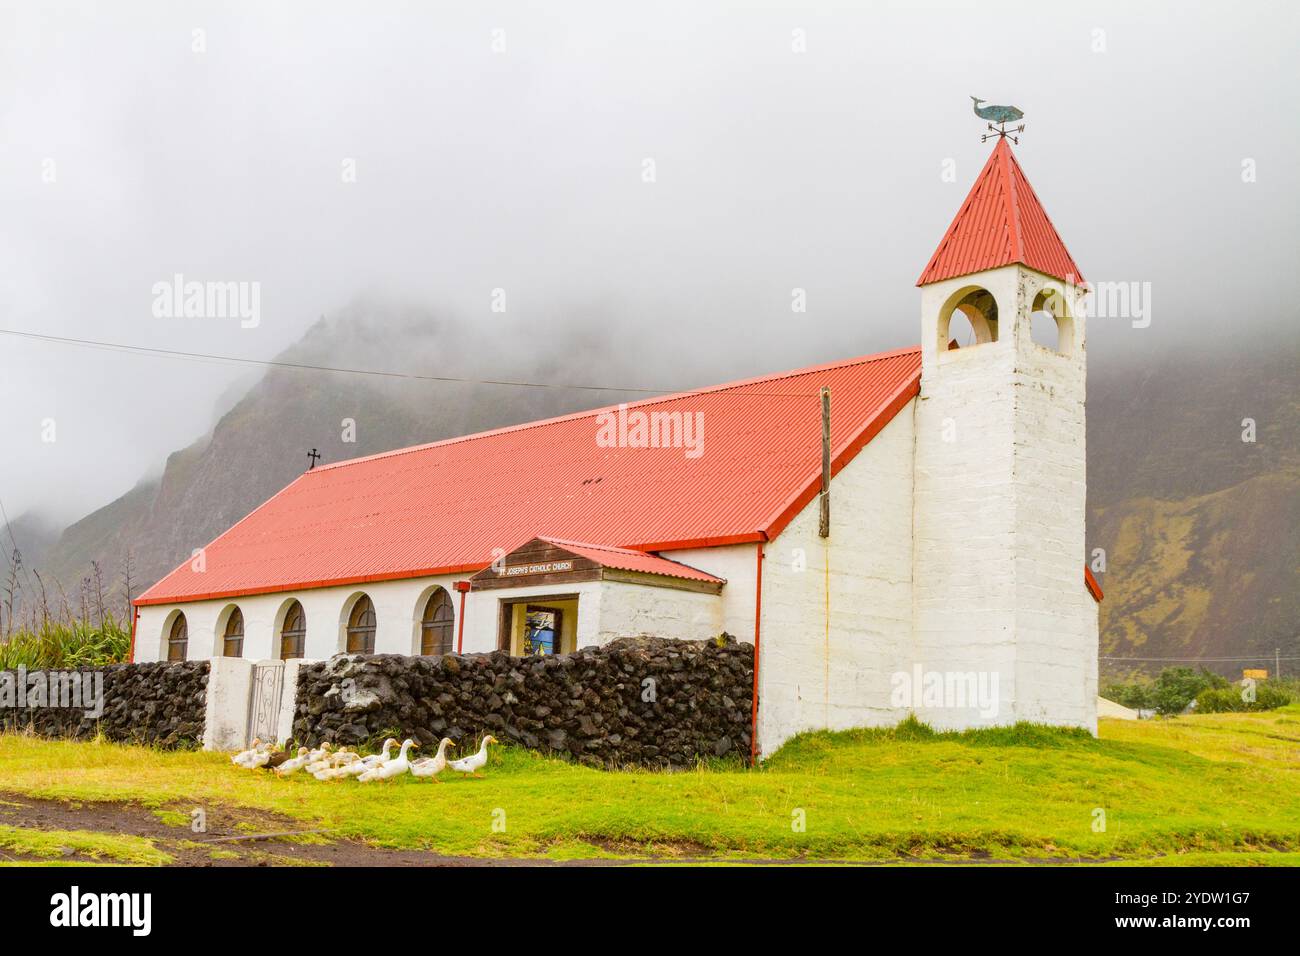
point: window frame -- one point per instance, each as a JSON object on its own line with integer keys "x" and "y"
{"x": 430, "y": 624}
{"x": 366, "y": 631}
{"x": 298, "y": 635}
{"x": 183, "y": 642}
{"x": 227, "y": 637}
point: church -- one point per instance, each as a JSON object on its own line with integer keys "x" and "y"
{"x": 899, "y": 533}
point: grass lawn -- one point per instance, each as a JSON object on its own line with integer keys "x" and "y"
{"x": 51, "y": 845}
{"x": 1212, "y": 789}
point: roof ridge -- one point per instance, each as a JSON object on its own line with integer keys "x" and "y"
{"x": 593, "y": 544}
{"x": 590, "y": 413}
{"x": 578, "y": 547}
{"x": 1012, "y": 213}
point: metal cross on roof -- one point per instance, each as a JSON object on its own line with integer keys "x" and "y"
{"x": 1002, "y": 115}
{"x": 314, "y": 455}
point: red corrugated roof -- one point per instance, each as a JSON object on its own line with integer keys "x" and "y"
{"x": 443, "y": 508}
{"x": 1000, "y": 222}
{"x": 626, "y": 559}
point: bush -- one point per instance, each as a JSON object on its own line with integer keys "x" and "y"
{"x": 1176, "y": 687}
{"x": 1231, "y": 699}
{"x": 1139, "y": 695}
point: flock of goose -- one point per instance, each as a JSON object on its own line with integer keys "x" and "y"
{"x": 325, "y": 763}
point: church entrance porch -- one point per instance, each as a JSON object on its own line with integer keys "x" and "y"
{"x": 553, "y": 597}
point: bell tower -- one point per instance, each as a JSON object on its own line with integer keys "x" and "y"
{"x": 998, "y": 572}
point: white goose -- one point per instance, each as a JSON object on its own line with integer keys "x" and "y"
{"x": 342, "y": 766}
{"x": 320, "y": 759}
{"x": 362, "y": 764}
{"x": 432, "y": 766}
{"x": 294, "y": 764}
{"x": 475, "y": 762}
{"x": 242, "y": 758}
{"x": 392, "y": 768}
{"x": 260, "y": 758}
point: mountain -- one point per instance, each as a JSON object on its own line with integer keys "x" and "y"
{"x": 1199, "y": 528}
{"x": 261, "y": 443}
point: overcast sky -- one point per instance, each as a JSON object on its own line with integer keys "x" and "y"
{"x": 503, "y": 146}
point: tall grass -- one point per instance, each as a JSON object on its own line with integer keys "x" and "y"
{"x": 63, "y": 644}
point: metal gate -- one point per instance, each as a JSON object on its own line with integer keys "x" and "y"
{"x": 264, "y": 701}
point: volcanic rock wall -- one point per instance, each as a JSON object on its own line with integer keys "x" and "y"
{"x": 161, "y": 704}
{"x": 644, "y": 701}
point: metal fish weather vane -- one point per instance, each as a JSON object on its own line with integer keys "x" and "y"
{"x": 1002, "y": 115}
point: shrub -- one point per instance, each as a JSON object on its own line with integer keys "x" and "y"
{"x": 1218, "y": 700}
{"x": 1140, "y": 695}
{"x": 1176, "y": 687}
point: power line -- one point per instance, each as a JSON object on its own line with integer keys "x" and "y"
{"x": 1195, "y": 660}
{"x": 307, "y": 366}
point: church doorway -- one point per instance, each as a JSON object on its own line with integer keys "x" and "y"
{"x": 539, "y": 626}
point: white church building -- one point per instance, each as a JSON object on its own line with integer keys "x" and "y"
{"x": 948, "y": 580}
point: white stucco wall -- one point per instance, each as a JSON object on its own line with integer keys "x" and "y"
{"x": 837, "y": 611}
{"x": 737, "y": 564}
{"x": 225, "y": 722}
{"x": 606, "y": 610}
{"x": 398, "y": 607}
{"x": 636, "y": 610}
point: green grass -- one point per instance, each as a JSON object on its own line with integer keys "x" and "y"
{"x": 52, "y": 844}
{"x": 1222, "y": 787}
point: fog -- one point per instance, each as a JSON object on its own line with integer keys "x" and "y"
{"x": 434, "y": 153}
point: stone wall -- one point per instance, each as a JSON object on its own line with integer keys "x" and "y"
{"x": 643, "y": 701}
{"x": 161, "y": 704}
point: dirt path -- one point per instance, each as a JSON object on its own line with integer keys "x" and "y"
{"x": 240, "y": 836}
{"x": 231, "y": 838}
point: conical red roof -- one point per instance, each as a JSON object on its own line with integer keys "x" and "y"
{"x": 1000, "y": 222}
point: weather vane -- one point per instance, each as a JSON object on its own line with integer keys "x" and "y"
{"x": 1002, "y": 115}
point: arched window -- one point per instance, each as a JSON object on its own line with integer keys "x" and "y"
{"x": 361, "y": 627}
{"x": 436, "y": 625}
{"x": 969, "y": 318}
{"x": 178, "y": 639}
{"x": 293, "y": 634}
{"x": 1050, "y": 324}
{"x": 232, "y": 644}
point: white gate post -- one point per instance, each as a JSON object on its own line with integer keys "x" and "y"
{"x": 288, "y": 697}
{"x": 230, "y": 680}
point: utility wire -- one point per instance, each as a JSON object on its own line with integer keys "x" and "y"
{"x": 1195, "y": 660}
{"x": 307, "y": 366}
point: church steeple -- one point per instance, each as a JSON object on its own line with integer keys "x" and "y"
{"x": 1000, "y": 468}
{"x": 1001, "y": 223}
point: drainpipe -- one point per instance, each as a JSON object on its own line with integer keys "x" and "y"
{"x": 135, "y": 619}
{"x": 758, "y": 624}
{"x": 463, "y": 588}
